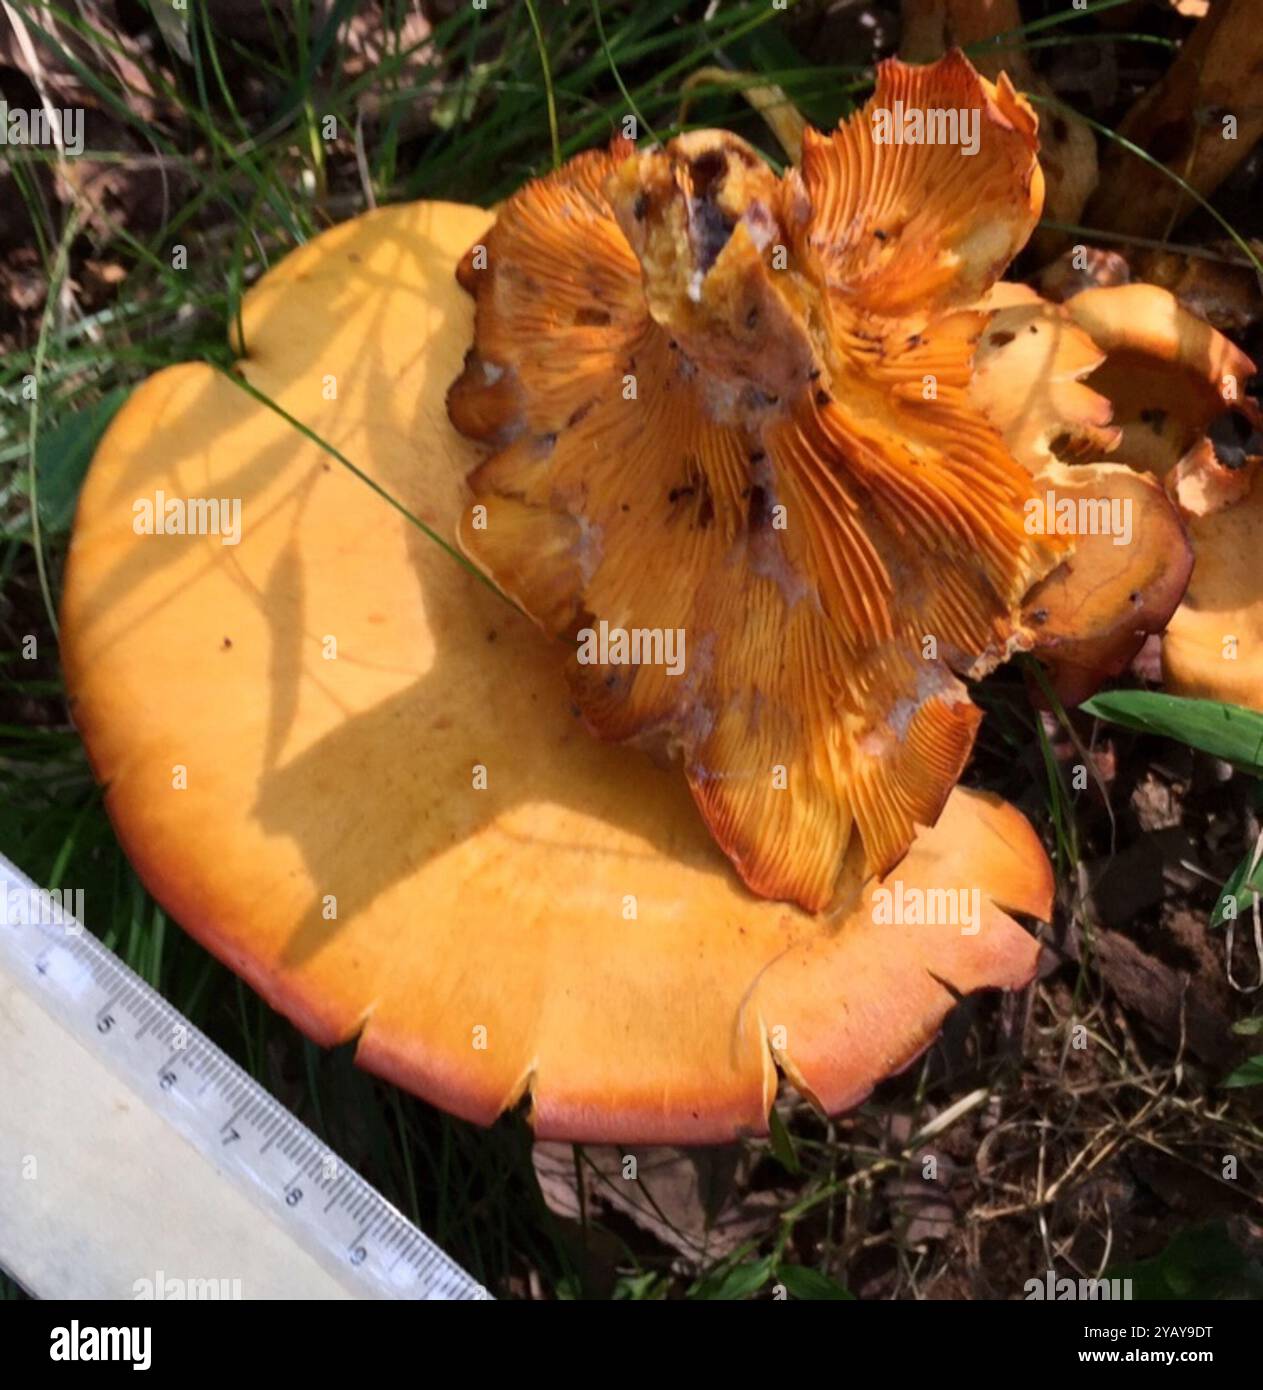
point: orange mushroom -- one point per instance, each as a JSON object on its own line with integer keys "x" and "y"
{"x": 353, "y": 773}
{"x": 797, "y": 421}
{"x": 737, "y": 408}
{"x": 1178, "y": 388}
{"x": 1127, "y": 374}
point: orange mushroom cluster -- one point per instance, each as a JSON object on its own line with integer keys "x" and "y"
{"x": 738, "y": 407}
{"x": 793, "y": 419}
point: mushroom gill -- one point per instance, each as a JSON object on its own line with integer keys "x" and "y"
{"x": 404, "y": 841}
{"x": 736, "y": 408}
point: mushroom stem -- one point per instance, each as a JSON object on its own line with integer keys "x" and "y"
{"x": 1200, "y": 121}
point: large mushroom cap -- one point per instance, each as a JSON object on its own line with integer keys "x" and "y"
{"x": 295, "y": 731}
{"x": 735, "y": 408}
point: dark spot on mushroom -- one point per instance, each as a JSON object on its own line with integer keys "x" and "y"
{"x": 1234, "y": 439}
{"x": 1001, "y": 338}
{"x": 758, "y": 514}
{"x": 491, "y": 635}
{"x": 706, "y": 511}
{"x": 591, "y": 318}
{"x": 879, "y": 234}
{"x": 1033, "y": 328}
{"x": 758, "y": 456}
{"x": 579, "y": 414}
{"x": 1039, "y": 617}
{"x": 708, "y": 169}
{"x": 814, "y": 374}
{"x": 677, "y": 492}
{"x": 626, "y": 507}
{"x": 1154, "y": 417}
{"x": 1059, "y": 444}
{"x": 712, "y": 228}
{"x": 752, "y": 317}
{"x": 1134, "y": 597}
{"x": 673, "y": 345}
{"x": 823, "y": 398}
{"x": 354, "y": 257}
{"x": 914, "y": 340}
{"x": 640, "y": 207}
{"x": 227, "y": 643}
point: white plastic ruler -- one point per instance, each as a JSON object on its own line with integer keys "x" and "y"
{"x": 94, "y": 1192}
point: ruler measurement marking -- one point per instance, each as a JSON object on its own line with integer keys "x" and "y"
{"x": 333, "y": 1194}
{"x": 85, "y": 985}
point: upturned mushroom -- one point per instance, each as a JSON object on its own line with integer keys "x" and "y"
{"x": 772, "y": 414}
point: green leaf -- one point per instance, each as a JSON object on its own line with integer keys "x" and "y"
{"x": 1226, "y": 731}
{"x": 733, "y": 1281}
{"x": 1249, "y": 1073}
{"x": 62, "y": 456}
{"x": 782, "y": 1143}
{"x": 639, "y": 1288}
{"x": 1244, "y": 884}
{"x": 174, "y": 27}
{"x": 1203, "y": 1262}
{"x": 456, "y": 105}
{"x": 803, "y": 1282}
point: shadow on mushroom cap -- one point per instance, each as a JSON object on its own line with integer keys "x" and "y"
{"x": 316, "y": 822}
